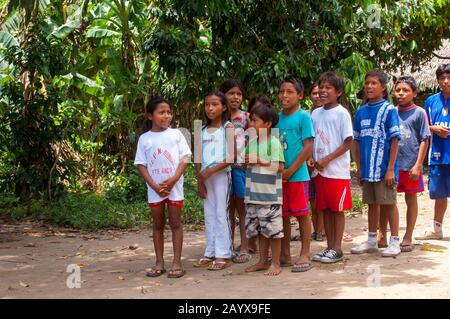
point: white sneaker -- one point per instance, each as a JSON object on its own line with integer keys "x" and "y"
{"x": 430, "y": 233}
{"x": 365, "y": 247}
{"x": 392, "y": 250}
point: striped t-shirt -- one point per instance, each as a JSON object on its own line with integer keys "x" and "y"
{"x": 263, "y": 183}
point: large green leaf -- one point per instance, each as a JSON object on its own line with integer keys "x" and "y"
{"x": 7, "y": 40}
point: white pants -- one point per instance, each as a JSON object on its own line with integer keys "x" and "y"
{"x": 217, "y": 222}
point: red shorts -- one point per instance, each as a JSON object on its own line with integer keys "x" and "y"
{"x": 295, "y": 198}
{"x": 405, "y": 186}
{"x": 332, "y": 194}
{"x": 178, "y": 203}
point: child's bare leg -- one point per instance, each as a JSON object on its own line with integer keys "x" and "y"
{"x": 305, "y": 230}
{"x": 262, "y": 263}
{"x": 411, "y": 217}
{"x": 320, "y": 221}
{"x": 327, "y": 221}
{"x": 177, "y": 235}
{"x": 240, "y": 206}
{"x": 285, "y": 257}
{"x": 391, "y": 212}
{"x": 374, "y": 219}
{"x": 339, "y": 226}
{"x": 275, "y": 268}
{"x": 159, "y": 222}
{"x": 313, "y": 215}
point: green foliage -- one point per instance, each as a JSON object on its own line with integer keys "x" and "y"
{"x": 75, "y": 77}
{"x": 357, "y": 205}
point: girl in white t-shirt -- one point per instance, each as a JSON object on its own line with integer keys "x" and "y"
{"x": 214, "y": 181}
{"x": 161, "y": 157}
{"x": 334, "y": 136}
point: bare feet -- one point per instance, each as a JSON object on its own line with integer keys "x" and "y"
{"x": 273, "y": 271}
{"x": 257, "y": 267}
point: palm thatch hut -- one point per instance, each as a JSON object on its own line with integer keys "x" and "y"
{"x": 426, "y": 75}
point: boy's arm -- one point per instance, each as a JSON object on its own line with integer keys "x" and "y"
{"x": 389, "y": 178}
{"x": 344, "y": 147}
{"x": 301, "y": 158}
{"x": 161, "y": 191}
{"x": 414, "y": 173}
{"x": 358, "y": 161}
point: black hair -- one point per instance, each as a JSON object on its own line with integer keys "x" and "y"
{"x": 231, "y": 83}
{"x": 407, "y": 80}
{"x": 337, "y": 82}
{"x": 442, "y": 69}
{"x": 266, "y": 112}
{"x": 226, "y": 115}
{"x": 298, "y": 84}
{"x": 382, "y": 77}
{"x": 151, "y": 107}
{"x": 315, "y": 84}
{"x": 261, "y": 98}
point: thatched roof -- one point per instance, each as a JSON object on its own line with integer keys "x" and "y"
{"x": 426, "y": 76}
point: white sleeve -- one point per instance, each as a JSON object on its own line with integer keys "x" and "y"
{"x": 140, "y": 153}
{"x": 346, "y": 126}
{"x": 183, "y": 147}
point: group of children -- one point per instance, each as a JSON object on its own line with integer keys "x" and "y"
{"x": 264, "y": 164}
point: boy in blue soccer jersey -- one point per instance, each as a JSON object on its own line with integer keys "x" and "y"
{"x": 376, "y": 133}
{"x": 437, "y": 107}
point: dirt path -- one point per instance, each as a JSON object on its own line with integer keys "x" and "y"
{"x": 34, "y": 258}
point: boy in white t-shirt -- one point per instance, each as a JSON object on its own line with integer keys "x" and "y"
{"x": 334, "y": 136}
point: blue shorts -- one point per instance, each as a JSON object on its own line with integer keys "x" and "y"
{"x": 238, "y": 182}
{"x": 439, "y": 181}
{"x": 311, "y": 191}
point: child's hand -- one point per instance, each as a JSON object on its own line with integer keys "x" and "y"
{"x": 310, "y": 163}
{"x": 168, "y": 184}
{"x": 201, "y": 190}
{"x": 247, "y": 160}
{"x": 203, "y": 174}
{"x": 441, "y": 131}
{"x": 287, "y": 173}
{"x": 161, "y": 191}
{"x": 389, "y": 178}
{"x": 414, "y": 174}
{"x": 322, "y": 163}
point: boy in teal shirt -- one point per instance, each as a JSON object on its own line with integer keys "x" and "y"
{"x": 297, "y": 136}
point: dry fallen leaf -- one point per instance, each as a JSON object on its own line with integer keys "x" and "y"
{"x": 23, "y": 284}
{"x": 30, "y": 245}
{"x": 121, "y": 278}
{"x": 144, "y": 290}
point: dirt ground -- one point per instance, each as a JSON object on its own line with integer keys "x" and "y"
{"x": 34, "y": 261}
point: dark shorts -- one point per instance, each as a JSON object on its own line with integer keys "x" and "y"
{"x": 238, "y": 182}
{"x": 379, "y": 193}
{"x": 439, "y": 181}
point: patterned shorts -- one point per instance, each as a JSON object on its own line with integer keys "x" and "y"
{"x": 265, "y": 220}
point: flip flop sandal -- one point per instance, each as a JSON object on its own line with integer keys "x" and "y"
{"x": 176, "y": 273}
{"x": 219, "y": 265}
{"x": 406, "y": 248}
{"x": 155, "y": 272}
{"x": 302, "y": 267}
{"x": 347, "y": 238}
{"x": 203, "y": 262}
{"x": 319, "y": 237}
{"x": 242, "y": 258}
{"x": 285, "y": 264}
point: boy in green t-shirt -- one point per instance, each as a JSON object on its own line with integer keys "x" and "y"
{"x": 263, "y": 194}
